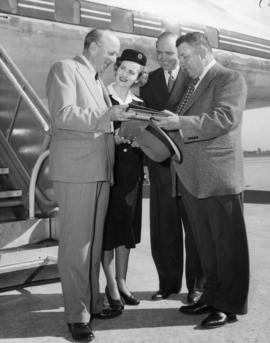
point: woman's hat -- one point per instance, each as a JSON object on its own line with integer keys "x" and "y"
{"x": 133, "y": 56}
{"x": 157, "y": 144}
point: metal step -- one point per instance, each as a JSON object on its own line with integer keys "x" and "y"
{"x": 10, "y": 203}
{"x": 4, "y": 171}
{"x": 11, "y": 194}
{"x": 28, "y": 264}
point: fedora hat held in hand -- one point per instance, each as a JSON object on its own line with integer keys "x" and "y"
{"x": 157, "y": 144}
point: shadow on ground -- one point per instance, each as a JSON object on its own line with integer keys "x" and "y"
{"x": 37, "y": 315}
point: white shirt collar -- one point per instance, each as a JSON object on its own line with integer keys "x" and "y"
{"x": 174, "y": 73}
{"x": 206, "y": 69}
{"x": 130, "y": 97}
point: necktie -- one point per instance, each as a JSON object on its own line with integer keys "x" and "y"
{"x": 170, "y": 81}
{"x": 186, "y": 96}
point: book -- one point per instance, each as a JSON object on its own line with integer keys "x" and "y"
{"x": 131, "y": 128}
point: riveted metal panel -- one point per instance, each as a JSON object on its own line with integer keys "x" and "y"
{"x": 10, "y": 6}
{"x": 96, "y": 15}
{"x": 42, "y": 9}
{"x": 147, "y": 25}
{"x": 121, "y": 20}
{"x": 68, "y": 11}
{"x": 244, "y": 44}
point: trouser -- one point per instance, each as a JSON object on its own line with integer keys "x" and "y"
{"x": 220, "y": 235}
{"x": 82, "y": 210}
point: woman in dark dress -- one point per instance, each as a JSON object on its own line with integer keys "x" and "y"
{"x": 123, "y": 223}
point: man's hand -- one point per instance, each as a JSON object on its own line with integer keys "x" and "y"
{"x": 118, "y": 113}
{"x": 169, "y": 123}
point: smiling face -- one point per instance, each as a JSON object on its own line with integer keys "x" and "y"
{"x": 167, "y": 53}
{"x": 127, "y": 74}
{"x": 103, "y": 52}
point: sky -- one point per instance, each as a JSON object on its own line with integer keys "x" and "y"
{"x": 244, "y": 16}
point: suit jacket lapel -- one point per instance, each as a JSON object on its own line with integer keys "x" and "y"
{"x": 202, "y": 85}
{"x": 158, "y": 82}
{"x": 90, "y": 82}
{"x": 105, "y": 94}
{"x": 178, "y": 88}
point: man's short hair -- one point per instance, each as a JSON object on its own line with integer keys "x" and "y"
{"x": 197, "y": 39}
{"x": 94, "y": 35}
{"x": 166, "y": 34}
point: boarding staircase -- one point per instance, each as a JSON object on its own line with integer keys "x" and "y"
{"x": 28, "y": 225}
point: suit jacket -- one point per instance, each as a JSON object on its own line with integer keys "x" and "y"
{"x": 155, "y": 95}
{"x": 82, "y": 148}
{"x": 210, "y": 138}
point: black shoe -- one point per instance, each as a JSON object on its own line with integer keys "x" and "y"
{"x": 129, "y": 299}
{"x": 162, "y": 294}
{"x": 115, "y": 304}
{"x": 218, "y": 318}
{"x": 81, "y": 332}
{"x": 196, "y": 308}
{"x": 107, "y": 313}
{"x": 194, "y": 296}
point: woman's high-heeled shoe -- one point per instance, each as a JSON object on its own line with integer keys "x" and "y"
{"x": 115, "y": 304}
{"x": 129, "y": 299}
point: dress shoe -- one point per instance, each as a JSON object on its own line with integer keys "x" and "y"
{"x": 162, "y": 294}
{"x": 193, "y": 296}
{"x": 81, "y": 332}
{"x": 107, "y": 313}
{"x": 115, "y": 304}
{"x": 196, "y": 308}
{"x": 218, "y": 318}
{"x": 129, "y": 299}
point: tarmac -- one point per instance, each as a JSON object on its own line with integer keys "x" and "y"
{"x": 35, "y": 314}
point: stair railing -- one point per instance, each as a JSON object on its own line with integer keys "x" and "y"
{"x": 25, "y": 90}
{"x": 33, "y": 181}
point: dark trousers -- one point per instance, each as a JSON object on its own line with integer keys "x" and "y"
{"x": 194, "y": 272}
{"x": 167, "y": 219}
{"x": 220, "y": 235}
{"x": 166, "y": 237}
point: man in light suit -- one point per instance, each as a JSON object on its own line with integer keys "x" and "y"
{"x": 208, "y": 132}
{"x": 81, "y": 164}
{"x": 164, "y": 89}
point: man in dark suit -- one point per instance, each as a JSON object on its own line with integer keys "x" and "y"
{"x": 81, "y": 164}
{"x": 207, "y": 128}
{"x": 164, "y": 90}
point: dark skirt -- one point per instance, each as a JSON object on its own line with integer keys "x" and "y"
{"x": 124, "y": 216}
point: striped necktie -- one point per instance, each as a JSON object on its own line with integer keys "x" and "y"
{"x": 170, "y": 81}
{"x": 186, "y": 96}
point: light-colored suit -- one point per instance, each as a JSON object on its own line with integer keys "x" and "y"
{"x": 211, "y": 180}
{"x": 81, "y": 164}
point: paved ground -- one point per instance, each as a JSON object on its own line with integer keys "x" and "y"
{"x": 35, "y": 314}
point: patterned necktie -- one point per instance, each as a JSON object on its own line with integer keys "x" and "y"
{"x": 186, "y": 97}
{"x": 170, "y": 81}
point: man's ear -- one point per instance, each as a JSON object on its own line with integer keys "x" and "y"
{"x": 202, "y": 52}
{"x": 93, "y": 47}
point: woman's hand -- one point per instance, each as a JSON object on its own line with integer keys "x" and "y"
{"x": 135, "y": 144}
{"x": 120, "y": 139}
